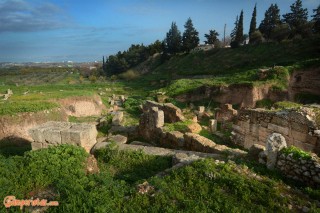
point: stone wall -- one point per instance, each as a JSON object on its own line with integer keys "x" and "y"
{"x": 253, "y": 126}
{"x": 55, "y": 133}
{"x": 305, "y": 170}
{"x": 151, "y": 129}
{"x": 245, "y": 95}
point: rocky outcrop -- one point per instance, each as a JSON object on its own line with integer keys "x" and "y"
{"x": 55, "y": 133}
{"x": 253, "y": 126}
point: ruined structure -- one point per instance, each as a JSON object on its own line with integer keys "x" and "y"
{"x": 298, "y": 127}
{"x": 55, "y": 133}
{"x": 151, "y": 129}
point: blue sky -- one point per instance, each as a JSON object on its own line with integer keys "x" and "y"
{"x": 78, "y": 30}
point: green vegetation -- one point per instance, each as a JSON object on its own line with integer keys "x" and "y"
{"x": 286, "y": 105}
{"x": 181, "y": 126}
{"x": 12, "y": 108}
{"x": 202, "y": 186}
{"x": 296, "y": 153}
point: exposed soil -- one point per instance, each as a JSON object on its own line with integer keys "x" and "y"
{"x": 82, "y": 106}
{"x": 15, "y": 127}
{"x": 242, "y": 94}
{"x": 305, "y": 81}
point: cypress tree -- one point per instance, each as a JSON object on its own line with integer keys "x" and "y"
{"x": 297, "y": 19}
{"x": 271, "y": 21}
{"x": 190, "y": 38}
{"x": 239, "y": 34}
{"x": 253, "y": 23}
{"x": 173, "y": 40}
{"x": 316, "y": 20}
{"x": 235, "y": 29}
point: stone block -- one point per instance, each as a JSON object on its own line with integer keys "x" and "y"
{"x": 238, "y": 129}
{"x": 299, "y": 136}
{"x": 249, "y": 140}
{"x": 254, "y": 129}
{"x": 245, "y": 125}
{"x": 117, "y": 119}
{"x": 36, "y": 145}
{"x": 299, "y": 127}
{"x": 275, "y": 143}
{"x": 304, "y": 146}
{"x": 278, "y": 129}
{"x": 52, "y": 134}
{"x": 201, "y": 109}
{"x": 213, "y": 124}
{"x": 83, "y": 135}
{"x": 195, "y": 142}
{"x": 118, "y": 139}
{"x": 280, "y": 121}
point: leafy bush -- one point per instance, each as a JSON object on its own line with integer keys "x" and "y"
{"x": 129, "y": 75}
{"x": 132, "y": 104}
{"x": 296, "y": 153}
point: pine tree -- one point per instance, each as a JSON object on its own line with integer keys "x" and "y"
{"x": 253, "y": 23}
{"x": 212, "y": 37}
{"x": 235, "y": 29}
{"x": 270, "y": 21}
{"x": 316, "y": 20}
{"x": 239, "y": 34}
{"x": 297, "y": 19}
{"x": 173, "y": 40}
{"x": 190, "y": 38}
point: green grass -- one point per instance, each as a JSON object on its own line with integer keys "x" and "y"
{"x": 14, "y": 107}
{"x": 286, "y": 105}
{"x": 200, "y": 187}
{"x": 181, "y": 126}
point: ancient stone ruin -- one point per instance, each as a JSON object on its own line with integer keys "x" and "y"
{"x": 151, "y": 129}
{"x": 298, "y": 127}
{"x": 55, "y": 133}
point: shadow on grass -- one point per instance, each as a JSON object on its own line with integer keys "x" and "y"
{"x": 14, "y": 146}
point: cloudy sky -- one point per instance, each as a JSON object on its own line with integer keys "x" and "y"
{"x": 79, "y": 30}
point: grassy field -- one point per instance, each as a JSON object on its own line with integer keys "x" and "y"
{"x": 203, "y": 186}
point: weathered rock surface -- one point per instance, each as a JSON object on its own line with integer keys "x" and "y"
{"x": 253, "y": 126}
{"x": 274, "y": 144}
{"x": 54, "y": 133}
{"x": 117, "y": 119}
{"x": 171, "y": 112}
{"x": 118, "y": 139}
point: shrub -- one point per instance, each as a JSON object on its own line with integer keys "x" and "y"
{"x": 129, "y": 75}
{"x": 92, "y": 78}
{"x": 296, "y": 153}
{"x": 286, "y": 105}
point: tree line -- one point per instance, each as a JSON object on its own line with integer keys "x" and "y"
{"x": 292, "y": 25}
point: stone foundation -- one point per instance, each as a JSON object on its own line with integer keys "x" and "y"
{"x": 253, "y": 126}
{"x": 55, "y": 133}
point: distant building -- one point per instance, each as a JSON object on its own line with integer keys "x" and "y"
{"x": 203, "y": 47}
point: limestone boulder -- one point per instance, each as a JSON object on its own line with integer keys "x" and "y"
{"x": 275, "y": 142}
{"x": 118, "y": 139}
{"x": 117, "y": 119}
